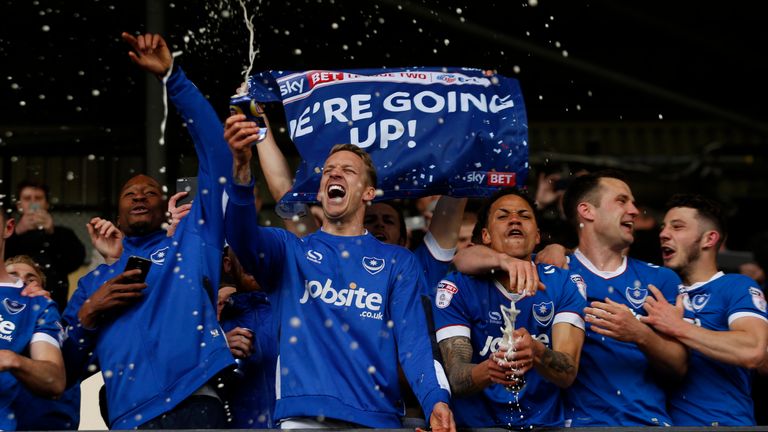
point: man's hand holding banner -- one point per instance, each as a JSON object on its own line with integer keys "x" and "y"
{"x": 430, "y": 131}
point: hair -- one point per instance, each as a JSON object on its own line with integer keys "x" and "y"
{"x": 25, "y": 259}
{"x": 707, "y": 209}
{"x": 485, "y": 209}
{"x": 370, "y": 169}
{"x": 586, "y": 188}
{"x": 35, "y": 184}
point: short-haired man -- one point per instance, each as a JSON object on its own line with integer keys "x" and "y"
{"x": 725, "y": 326}
{"x": 62, "y": 413}
{"x": 348, "y": 303}
{"x": 548, "y": 337}
{"x": 56, "y": 248}
{"x": 623, "y": 360}
{"x": 158, "y": 343}
{"x": 30, "y": 334}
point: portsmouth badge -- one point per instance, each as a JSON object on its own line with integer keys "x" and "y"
{"x": 158, "y": 256}
{"x": 543, "y": 312}
{"x": 12, "y": 306}
{"x": 636, "y": 296}
{"x": 373, "y": 265}
{"x": 699, "y": 301}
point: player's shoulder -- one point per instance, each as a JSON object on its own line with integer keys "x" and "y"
{"x": 652, "y": 269}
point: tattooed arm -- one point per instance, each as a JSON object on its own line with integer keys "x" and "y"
{"x": 560, "y": 364}
{"x": 466, "y": 377}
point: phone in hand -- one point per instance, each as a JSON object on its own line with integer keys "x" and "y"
{"x": 188, "y": 185}
{"x": 137, "y": 262}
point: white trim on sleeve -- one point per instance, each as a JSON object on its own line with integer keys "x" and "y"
{"x": 571, "y": 318}
{"x": 733, "y": 317}
{"x": 452, "y": 331}
{"x": 45, "y": 337}
{"x": 440, "y": 254}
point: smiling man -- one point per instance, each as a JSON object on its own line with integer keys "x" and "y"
{"x": 349, "y": 304}
{"x": 158, "y": 343}
{"x": 726, "y": 328}
{"x": 623, "y": 360}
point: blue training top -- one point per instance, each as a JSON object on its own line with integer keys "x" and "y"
{"x": 158, "y": 351}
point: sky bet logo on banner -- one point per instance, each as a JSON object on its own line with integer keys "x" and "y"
{"x": 451, "y": 131}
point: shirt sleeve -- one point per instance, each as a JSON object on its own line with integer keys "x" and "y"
{"x": 449, "y": 309}
{"x": 413, "y": 343}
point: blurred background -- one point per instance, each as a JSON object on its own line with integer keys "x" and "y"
{"x": 672, "y": 92}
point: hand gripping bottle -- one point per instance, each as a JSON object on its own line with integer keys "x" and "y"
{"x": 242, "y": 103}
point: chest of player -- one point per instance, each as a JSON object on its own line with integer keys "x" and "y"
{"x": 705, "y": 309}
{"x": 348, "y": 280}
{"x": 17, "y": 323}
{"x": 536, "y": 315}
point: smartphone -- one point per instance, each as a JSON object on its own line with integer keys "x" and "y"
{"x": 137, "y": 262}
{"x": 188, "y": 185}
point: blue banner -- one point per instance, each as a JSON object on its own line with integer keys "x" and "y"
{"x": 429, "y": 131}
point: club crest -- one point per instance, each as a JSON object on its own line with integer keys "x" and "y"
{"x": 543, "y": 312}
{"x": 445, "y": 292}
{"x": 699, "y": 301}
{"x": 758, "y": 298}
{"x": 636, "y": 296}
{"x": 12, "y": 306}
{"x": 580, "y": 284}
{"x": 158, "y": 256}
{"x": 687, "y": 302}
{"x": 373, "y": 265}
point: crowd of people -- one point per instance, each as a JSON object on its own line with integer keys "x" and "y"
{"x": 348, "y": 319}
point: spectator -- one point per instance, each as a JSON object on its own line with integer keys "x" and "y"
{"x": 30, "y": 354}
{"x": 548, "y": 337}
{"x": 342, "y": 336}
{"x": 55, "y": 248}
{"x": 158, "y": 343}
{"x": 48, "y": 414}
{"x": 724, "y": 327}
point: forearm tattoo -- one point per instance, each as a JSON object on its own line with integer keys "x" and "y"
{"x": 557, "y": 362}
{"x": 457, "y": 353}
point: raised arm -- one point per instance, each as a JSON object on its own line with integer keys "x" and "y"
{"x": 744, "y": 344}
{"x": 240, "y": 131}
{"x": 446, "y": 221}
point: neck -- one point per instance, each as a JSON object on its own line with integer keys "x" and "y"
{"x": 700, "y": 270}
{"x": 341, "y": 227}
{"x": 604, "y": 258}
{"x": 503, "y": 277}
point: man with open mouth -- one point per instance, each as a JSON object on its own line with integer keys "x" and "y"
{"x": 348, "y": 304}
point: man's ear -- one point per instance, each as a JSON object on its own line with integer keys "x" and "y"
{"x": 369, "y": 194}
{"x": 586, "y": 211}
{"x": 709, "y": 239}
{"x": 10, "y": 224}
{"x": 486, "y": 236}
